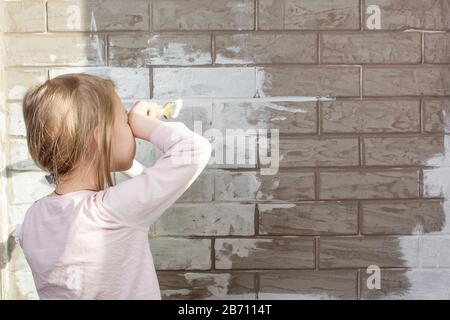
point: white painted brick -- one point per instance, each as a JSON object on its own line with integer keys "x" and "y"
{"x": 204, "y": 82}
{"x": 416, "y": 284}
{"x": 17, "y": 214}
{"x": 24, "y": 16}
{"x": 20, "y": 157}
{"x": 28, "y": 187}
{"x": 131, "y": 83}
{"x": 105, "y": 15}
{"x": 435, "y": 180}
{"x": 434, "y": 252}
{"x": 18, "y": 81}
{"x": 22, "y": 286}
{"x": 16, "y": 122}
{"x": 42, "y": 49}
{"x": 196, "y": 112}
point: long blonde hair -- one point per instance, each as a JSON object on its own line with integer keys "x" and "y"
{"x": 60, "y": 116}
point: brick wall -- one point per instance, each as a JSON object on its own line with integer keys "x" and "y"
{"x": 363, "y": 179}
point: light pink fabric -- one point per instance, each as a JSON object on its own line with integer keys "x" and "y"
{"x": 94, "y": 245}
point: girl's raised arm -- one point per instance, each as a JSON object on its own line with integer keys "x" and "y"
{"x": 140, "y": 201}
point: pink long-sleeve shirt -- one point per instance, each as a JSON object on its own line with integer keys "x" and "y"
{"x": 94, "y": 245}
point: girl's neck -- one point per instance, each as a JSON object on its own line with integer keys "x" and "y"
{"x": 76, "y": 181}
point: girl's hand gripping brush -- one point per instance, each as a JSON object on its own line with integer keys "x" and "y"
{"x": 169, "y": 110}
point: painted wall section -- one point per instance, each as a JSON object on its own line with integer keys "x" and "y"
{"x": 363, "y": 176}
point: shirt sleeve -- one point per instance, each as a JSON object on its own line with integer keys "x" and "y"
{"x": 140, "y": 201}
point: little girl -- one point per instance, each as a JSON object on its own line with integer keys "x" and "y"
{"x": 87, "y": 240}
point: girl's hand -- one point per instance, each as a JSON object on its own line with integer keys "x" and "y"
{"x": 143, "y": 118}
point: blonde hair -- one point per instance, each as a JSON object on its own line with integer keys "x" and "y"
{"x": 60, "y": 116}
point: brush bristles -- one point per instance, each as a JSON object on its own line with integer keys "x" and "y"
{"x": 172, "y": 109}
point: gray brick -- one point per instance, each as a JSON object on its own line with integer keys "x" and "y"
{"x": 308, "y": 219}
{"x": 406, "y": 81}
{"x": 170, "y": 253}
{"x": 210, "y": 286}
{"x": 308, "y": 81}
{"x": 369, "y": 184}
{"x": 239, "y": 186}
{"x": 371, "y": 116}
{"x": 437, "y": 48}
{"x": 436, "y": 115}
{"x": 369, "y": 47}
{"x": 253, "y": 253}
{"x": 309, "y": 14}
{"x": 316, "y": 152}
{"x": 307, "y": 285}
{"x": 362, "y": 252}
{"x": 403, "y": 217}
{"x": 414, "y": 150}
{"x": 203, "y": 15}
{"x": 207, "y": 219}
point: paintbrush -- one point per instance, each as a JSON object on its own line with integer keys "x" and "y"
{"x": 169, "y": 110}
